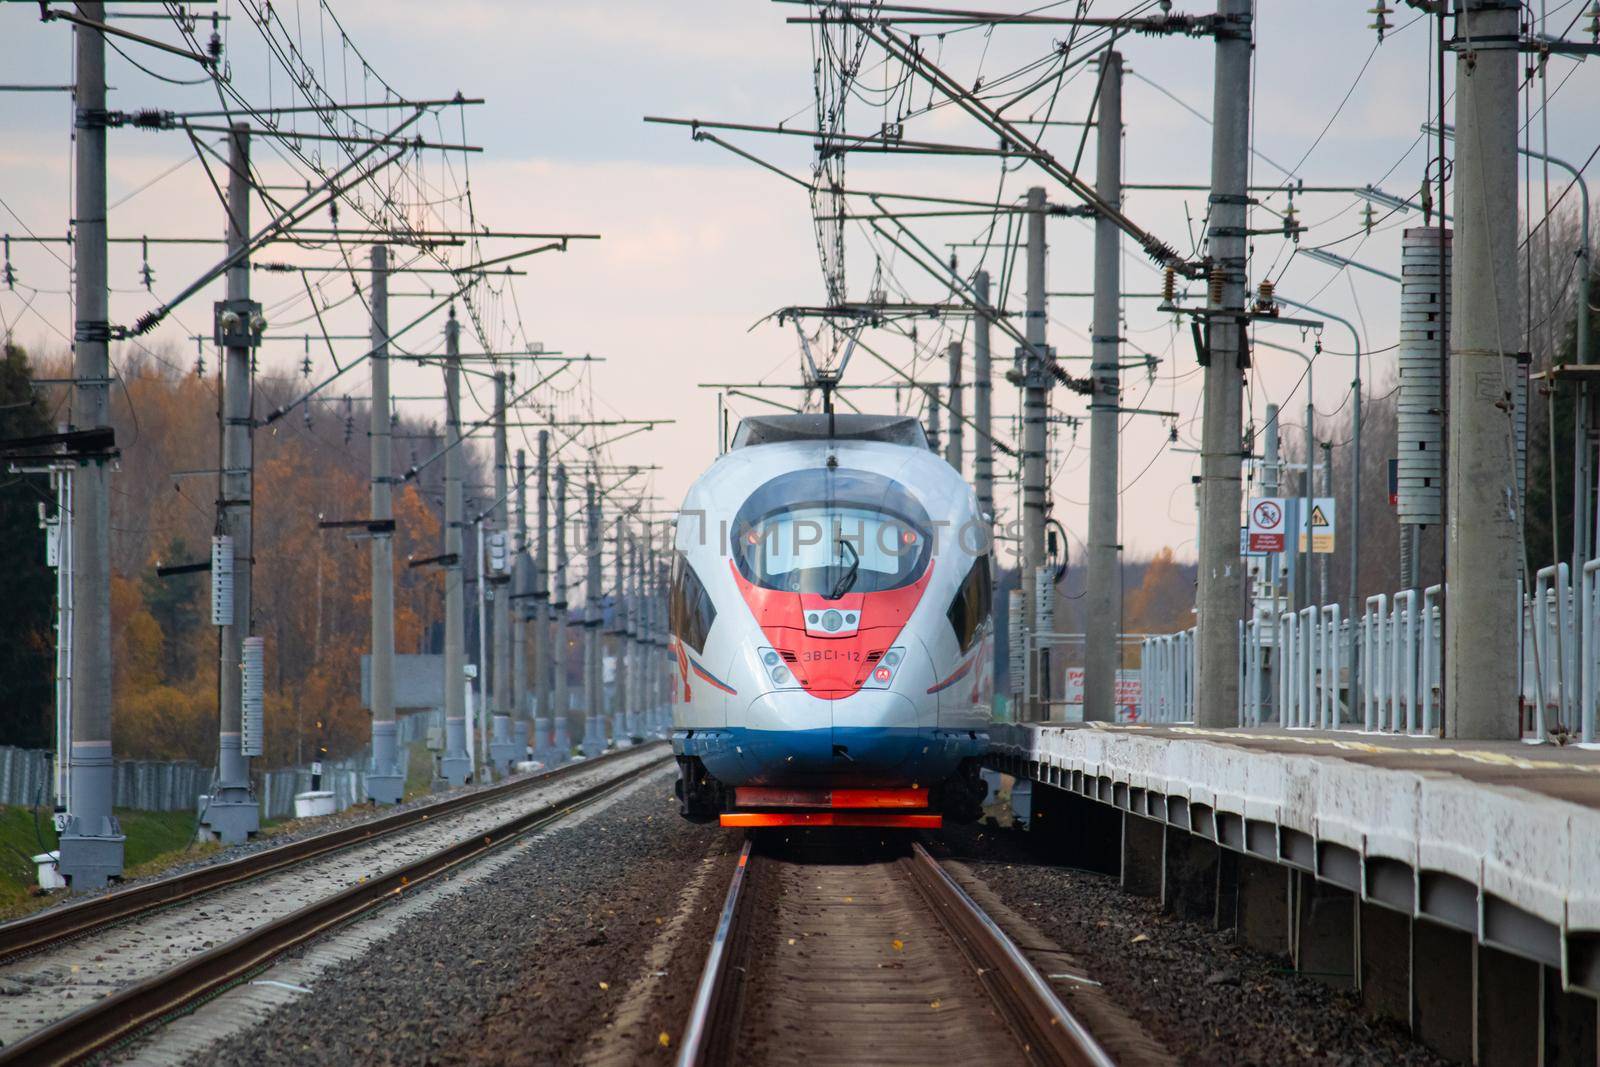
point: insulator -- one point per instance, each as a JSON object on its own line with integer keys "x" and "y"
{"x": 1215, "y": 282}
{"x": 1594, "y": 22}
{"x": 149, "y": 118}
{"x": 1368, "y": 217}
{"x": 1380, "y": 18}
{"x": 1264, "y": 291}
{"x": 305, "y": 367}
{"x": 200, "y": 366}
{"x": 1169, "y": 286}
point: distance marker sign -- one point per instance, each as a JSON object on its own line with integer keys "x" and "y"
{"x": 1266, "y": 530}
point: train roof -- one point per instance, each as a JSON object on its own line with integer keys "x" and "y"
{"x": 775, "y": 429}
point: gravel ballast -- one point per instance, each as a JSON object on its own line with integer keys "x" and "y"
{"x": 1205, "y": 998}
{"x": 528, "y": 967}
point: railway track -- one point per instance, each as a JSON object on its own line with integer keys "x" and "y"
{"x": 46, "y": 929}
{"x": 496, "y": 816}
{"x": 873, "y": 958}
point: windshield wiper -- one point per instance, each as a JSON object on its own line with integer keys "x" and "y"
{"x": 847, "y": 580}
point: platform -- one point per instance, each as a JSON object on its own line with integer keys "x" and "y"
{"x": 1498, "y": 841}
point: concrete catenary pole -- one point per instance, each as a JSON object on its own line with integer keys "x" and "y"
{"x": 232, "y": 813}
{"x": 619, "y": 633}
{"x": 1327, "y": 491}
{"x": 641, "y": 637}
{"x": 1271, "y": 479}
{"x": 1033, "y": 375}
{"x": 560, "y": 697}
{"x": 655, "y": 638}
{"x": 91, "y": 841}
{"x": 955, "y": 440}
{"x": 543, "y": 645}
{"x": 455, "y": 766}
{"x": 1102, "y": 607}
{"x": 386, "y": 777}
{"x": 665, "y": 664}
{"x": 502, "y": 748}
{"x": 1481, "y": 538}
{"x": 594, "y": 730}
{"x": 982, "y": 394}
{"x": 637, "y": 657}
{"x": 522, "y": 583}
{"x": 1220, "y": 593}
{"x": 1307, "y": 482}
{"x": 983, "y": 422}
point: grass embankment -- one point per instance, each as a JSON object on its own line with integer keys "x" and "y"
{"x": 156, "y": 840}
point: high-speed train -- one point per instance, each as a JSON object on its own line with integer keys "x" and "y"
{"x": 830, "y": 616}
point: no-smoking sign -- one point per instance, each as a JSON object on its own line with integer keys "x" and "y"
{"x": 1266, "y": 530}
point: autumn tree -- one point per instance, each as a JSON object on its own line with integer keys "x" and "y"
{"x": 311, "y": 598}
{"x": 27, "y": 586}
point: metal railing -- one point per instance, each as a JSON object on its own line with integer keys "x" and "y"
{"x": 1382, "y": 672}
{"x": 1167, "y": 677}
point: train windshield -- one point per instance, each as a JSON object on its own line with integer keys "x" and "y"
{"x": 831, "y": 532}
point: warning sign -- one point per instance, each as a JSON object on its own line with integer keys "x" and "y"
{"x": 1266, "y": 530}
{"x": 1323, "y": 512}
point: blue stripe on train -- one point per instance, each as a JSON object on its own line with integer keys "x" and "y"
{"x": 842, "y": 757}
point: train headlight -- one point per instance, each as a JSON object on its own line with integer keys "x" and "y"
{"x": 777, "y": 671}
{"x": 882, "y": 676}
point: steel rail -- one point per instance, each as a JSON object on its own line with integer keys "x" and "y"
{"x": 121, "y": 1016}
{"x": 712, "y": 998}
{"x": 1015, "y": 985}
{"x": 1048, "y": 1030}
{"x": 36, "y": 933}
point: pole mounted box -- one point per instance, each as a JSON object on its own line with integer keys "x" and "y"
{"x": 1424, "y": 312}
{"x": 498, "y": 557}
{"x": 1044, "y": 600}
{"x": 222, "y": 580}
{"x": 237, "y": 323}
{"x": 252, "y": 696}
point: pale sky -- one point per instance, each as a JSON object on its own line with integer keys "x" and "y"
{"x": 698, "y": 245}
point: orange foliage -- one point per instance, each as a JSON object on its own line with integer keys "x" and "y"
{"x": 311, "y": 598}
